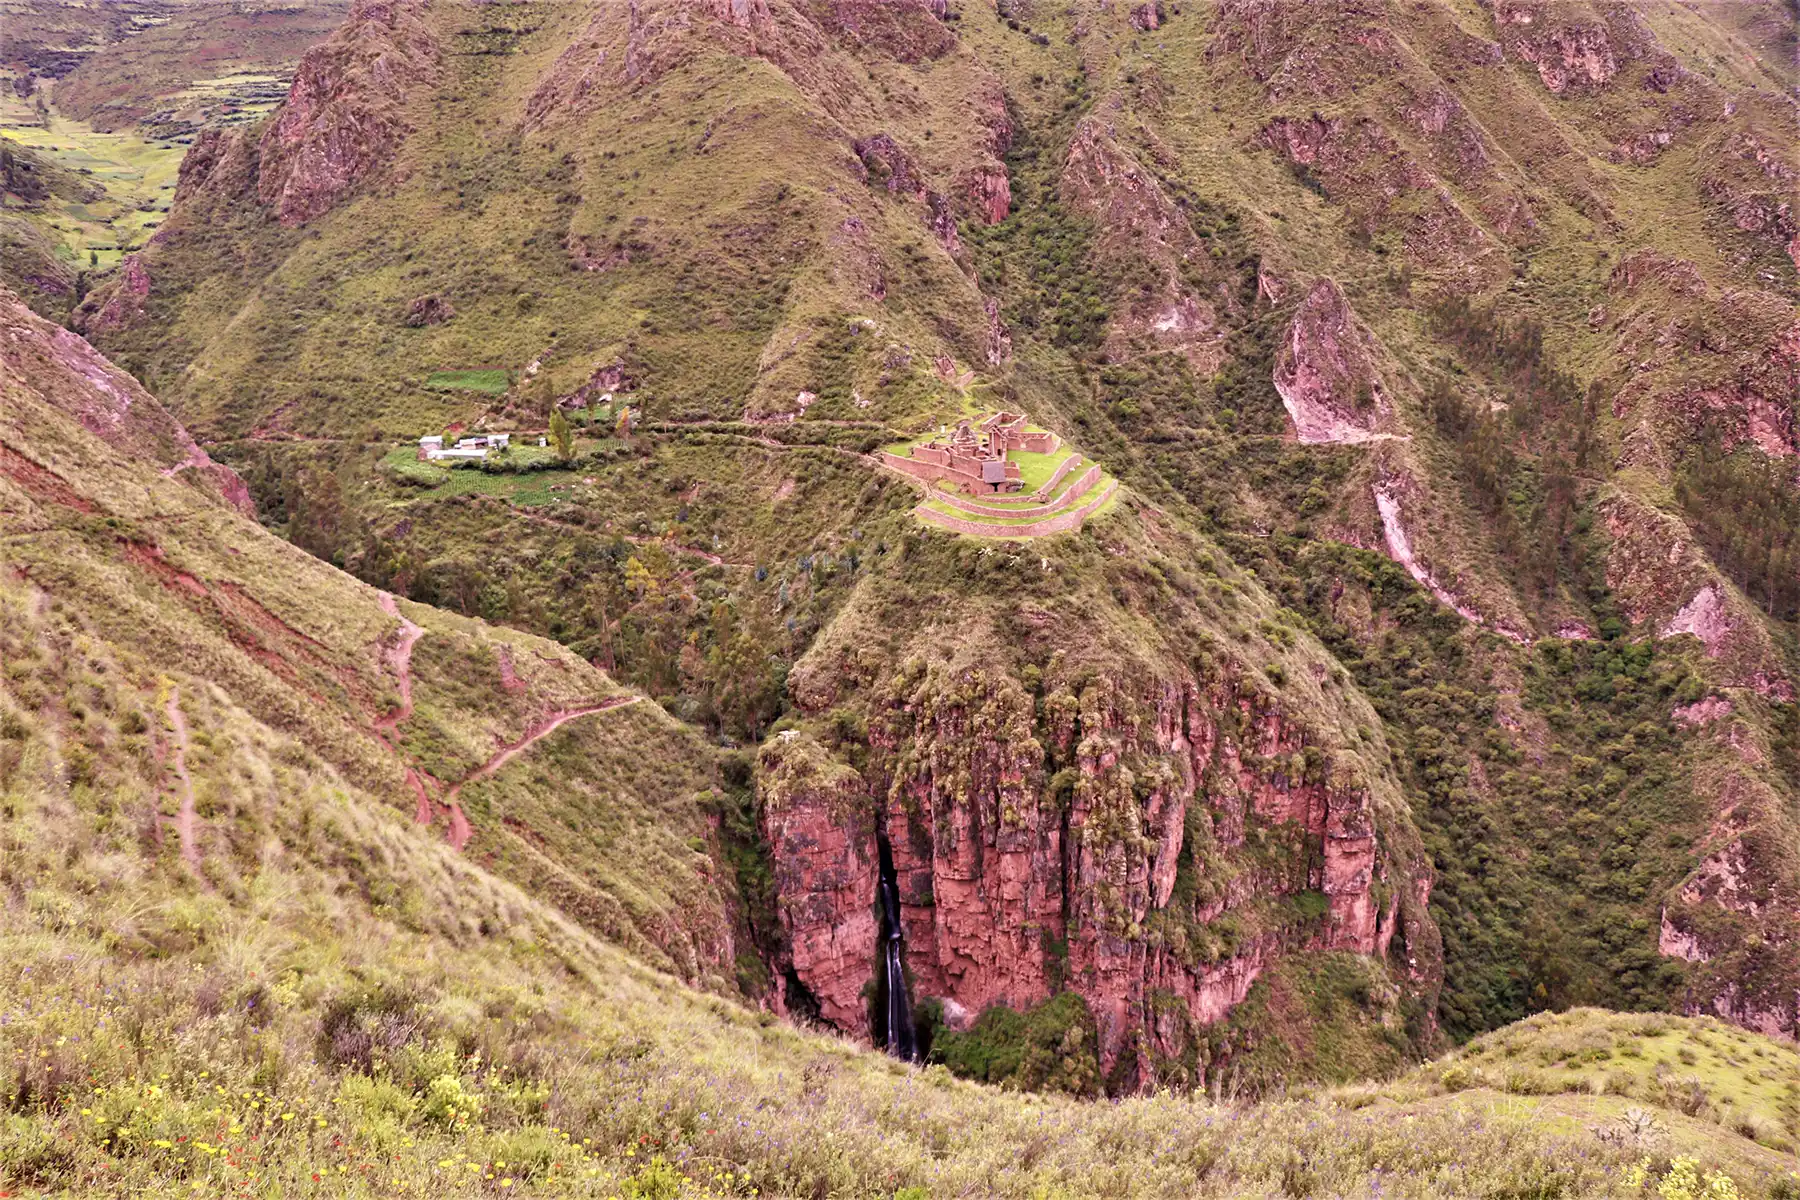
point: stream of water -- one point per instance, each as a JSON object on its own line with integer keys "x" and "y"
{"x": 902, "y": 1039}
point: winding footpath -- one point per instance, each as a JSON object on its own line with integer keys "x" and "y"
{"x": 399, "y": 660}
{"x": 460, "y": 830}
{"x": 387, "y": 729}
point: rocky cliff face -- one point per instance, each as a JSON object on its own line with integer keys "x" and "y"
{"x": 820, "y": 828}
{"x": 1154, "y": 847}
{"x": 1325, "y": 375}
{"x": 343, "y": 117}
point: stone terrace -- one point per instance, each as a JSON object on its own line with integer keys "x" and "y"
{"x": 999, "y": 477}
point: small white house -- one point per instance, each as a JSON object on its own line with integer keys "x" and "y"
{"x": 469, "y": 449}
{"x": 499, "y": 441}
{"x": 461, "y": 453}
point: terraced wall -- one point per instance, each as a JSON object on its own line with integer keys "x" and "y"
{"x": 1076, "y": 490}
{"x": 1060, "y": 523}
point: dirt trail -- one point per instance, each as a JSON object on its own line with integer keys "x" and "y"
{"x": 535, "y": 734}
{"x": 399, "y": 661}
{"x": 184, "y": 821}
{"x": 460, "y": 829}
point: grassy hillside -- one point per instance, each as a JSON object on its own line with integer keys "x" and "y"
{"x": 434, "y": 719}
{"x": 234, "y": 962}
{"x": 1702, "y": 1068}
{"x": 174, "y": 65}
{"x": 206, "y": 64}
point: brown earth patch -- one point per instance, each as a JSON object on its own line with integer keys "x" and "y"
{"x": 40, "y": 482}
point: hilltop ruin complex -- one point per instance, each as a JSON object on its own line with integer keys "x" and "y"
{"x": 979, "y": 459}
{"x": 974, "y": 456}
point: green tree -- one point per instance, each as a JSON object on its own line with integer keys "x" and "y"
{"x": 744, "y": 676}
{"x": 562, "y": 435}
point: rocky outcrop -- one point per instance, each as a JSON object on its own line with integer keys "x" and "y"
{"x": 887, "y": 165}
{"x": 1572, "y": 50}
{"x": 220, "y": 160}
{"x": 1358, "y": 164}
{"x": 1325, "y": 374}
{"x": 998, "y": 342}
{"x": 430, "y": 309}
{"x": 908, "y": 31}
{"x": 819, "y": 824}
{"x": 1754, "y": 187}
{"x": 122, "y": 304}
{"x": 1736, "y": 919}
{"x": 1703, "y": 711}
{"x": 1665, "y": 583}
{"x": 989, "y": 191}
{"x": 345, "y": 114}
{"x": 1699, "y": 361}
{"x": 1126, "y": 842}
{"x": 109, "y": 403}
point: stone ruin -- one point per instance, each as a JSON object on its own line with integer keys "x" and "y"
{"x": 974, "y": 455}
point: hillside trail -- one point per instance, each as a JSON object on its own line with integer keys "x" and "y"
{"x": 678, "y": 548}
{"x": 387, "y": 729}
{"x": 460, "y": 829}
{"x": 185, "y": 818}
{"x": 399, "y": 660}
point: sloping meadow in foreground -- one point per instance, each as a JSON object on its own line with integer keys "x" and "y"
{"x": 293, "y": 1035}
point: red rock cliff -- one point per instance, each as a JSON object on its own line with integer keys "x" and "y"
{"x": 343, "y": 117}
{"x": 1130, "y": 844}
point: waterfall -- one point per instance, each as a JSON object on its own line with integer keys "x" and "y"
{"x": 902, "y": 1041}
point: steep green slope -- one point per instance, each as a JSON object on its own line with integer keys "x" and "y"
{"x": 114, "y": 522}
{"x": 33, "y": 260}
{"x": 231, "y": 962}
